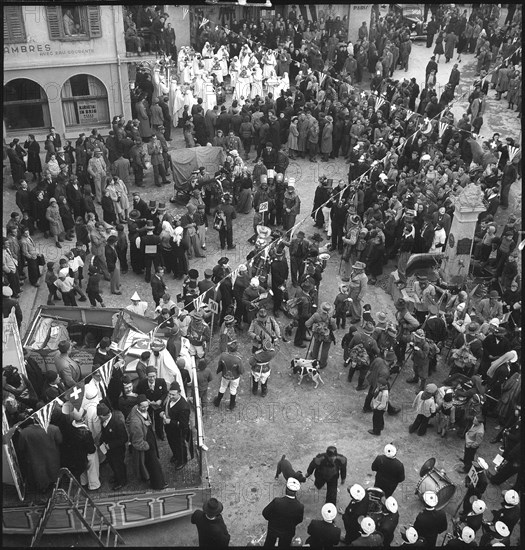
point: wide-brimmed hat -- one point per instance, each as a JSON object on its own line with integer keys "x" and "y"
{"x": 381, "y": 318}
{"x": 263, "y": 232}
{"x": 229, "y": 319}
{"x": 326, "y": 307}
{"x": 157, "y": 345}
{"x": 134, "y": 214}
{"x": 197, "y": 314}
{"x": 212, "y": 507}
{"x": 368, "y": 328}
{"x": 359, "y": 265}
{"x": 419, "y": 333}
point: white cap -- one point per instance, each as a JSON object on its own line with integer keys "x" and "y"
{"x": 254, "y": 281}
{"x": 390, "y": 451}
{"x": 411, "y": 535}
{"x": 494, "y": 322}
{"x": 368, "y": 525}
{"x": 291, "y": 182}
{"x": 430, "y": 499}
{"x": 329, "y": 512}
{"x": 502, "y": 529}
{"x": 64, "y": 272}
{"x": 467, "y": 534}
{"x": 391, "y": 505}
{"x": 513, "y": 356}
{"x": 383, "y": 176}
{"x": 478, "y": 507}
{"x": 511, "y": 497}
{"x": 357, "y": 492}
{"x": 292, "y": 484}
{"x": 90, "y": 391}
{"x": 136, "y": 296}
{"x": 242, "y": 267}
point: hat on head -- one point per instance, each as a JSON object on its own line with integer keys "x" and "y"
{"x": 368, "y": 525}
{"x": 368, "y": 328}
{"x": 263, "y": 231}
{"x": 326, "y": 307}
{"x": 208, "y": 272}
{"x": 357, "y": 492}
{"x": 157, "y": 345}
{"x": 478, "y": 506}
{"x": 90, "y": 391}
{"x": 381, "y": 317}
{"x": 242, "y": 268}
{"x": 141, "y": 398}
{"x": 430, "y": 499}
{"x": 134, "y": 214}
{"x": 501, "y": 529}
{"x": 254, "y": 281}
{"x": 52, "y": 199}
{"x": 152, "y": 204}
{"x": 212, "y": 507}
{"x": 329, "y": 511}
{"x": 102, "y": 409}
{"x": 229, "y": 319}
{"x": 175, "y": 386}
{"x": 419, "y": 333}
{"x": 431, "y": 388}
{"x": 7, "y": 291}
{"x": 494, "y": 322}
{"x": 292, "y": 484}
{"x": 151, "y": 369}
{"x": 390, "y": 451}
{"x": 409, "y": 534}
{"x": 494, "y": 294}
{"x": 197, "y": 314}
{"x": 473, "y": 327}
{"x": 391, "y": 330}
{"x": 391, "y": 505}
{"x": 511, "y": 497}
{"x": 136, "y": 297}
{"x": 193, "y": 274}
{"x": 359, "y": 265}
{"x": 223, "y": 261}
{"x": 262, "y": 313}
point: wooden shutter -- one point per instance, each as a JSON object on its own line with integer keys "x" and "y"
{"x": 14, "y": 28}
{"x": 94, "y": 23}
{"x": 54, "y": 22}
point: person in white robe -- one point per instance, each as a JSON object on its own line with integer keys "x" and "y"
{"x": 187, "y": 72}
{"x": 235, "y": 65}
{"x": 198, "y": 86}
{"x": 242, "y": 87}
{"x": 216, "y": 69}
{"x": 223, "y": 56}
{"x": 188, "y": 98}
{"x": 269, "y": 62}
{"x": 176, "y": 102}
{"x": 210, "y": 97}
{"x": 273, "y": 84}
{"x": 257, "y": 82}
{"x": 197, "y": 58}
{"x": 245, "y": 55}
{"x": 207, "y": 55}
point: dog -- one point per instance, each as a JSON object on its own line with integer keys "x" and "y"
{"x": 284, "y": 467}
{"x": 367, "y": 315}
{"x": 306, "y": 367}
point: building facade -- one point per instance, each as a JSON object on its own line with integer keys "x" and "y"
{"x": 68, "y": 67}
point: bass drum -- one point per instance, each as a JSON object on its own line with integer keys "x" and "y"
{"x": 437, "y": 481}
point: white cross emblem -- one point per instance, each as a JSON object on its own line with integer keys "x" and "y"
{"x": 75, "y": 393}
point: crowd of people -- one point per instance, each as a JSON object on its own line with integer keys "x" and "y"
{"x": 407, "y": 165}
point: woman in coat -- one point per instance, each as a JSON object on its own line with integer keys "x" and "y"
{"x": 302, "y": 129}
{"x": 144, "y": 124}
{"x": 438, "y": 50}
{"x": 450, "y": 43}
{"x": 326, "y": 139}
{"x": 56, "y": 227}
{"x": 502, "y": 84}
{"x": 514, "y": 88}
{"x": 292, "y": 206}
{"x": 34, "y": 164}
{"x": 39, "y": 210}
{"x": 293, "y": 135}
{"x": 145, "y": 451}
{"x": 67, "y": 218}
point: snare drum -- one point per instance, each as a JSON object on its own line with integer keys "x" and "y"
{"x": 437, "y": 481}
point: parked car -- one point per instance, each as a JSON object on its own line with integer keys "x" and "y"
{"x": 412, "y": 17}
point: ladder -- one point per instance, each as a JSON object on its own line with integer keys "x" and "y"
{"x": 68, "y": 490}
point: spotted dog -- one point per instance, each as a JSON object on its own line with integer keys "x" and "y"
{"x": 306, "y": 367}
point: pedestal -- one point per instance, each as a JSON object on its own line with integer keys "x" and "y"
{"x": 456, "y": 263}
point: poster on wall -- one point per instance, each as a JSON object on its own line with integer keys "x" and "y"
{"x": 87, "y": 112}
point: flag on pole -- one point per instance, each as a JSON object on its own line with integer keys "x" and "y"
{"x": 43, "y": 415}
{"x": 204, "y": 22}
{"x": 409, "y": 114}
{"x": 185, "y": 12}
{"x": 442, "y": 128}
{"x": 234, "y": 274}
{"x": 513, "y": 151}
{"x": 379, "y": 102}
{"x": 197, "y": 303}
{"x": 322, "y": 77}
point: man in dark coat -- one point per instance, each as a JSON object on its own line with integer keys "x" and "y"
{"x": 279, "y": 270}
{"x": 155, "y": 389}
{"x": 356, "y": 509}
{"x": 324, "y": 534}
{"x": 200, "y": 127}
{"x": 114, "y": 437}
{"x": 39, "y": 453}
{"x": 388, "y": 520}
{"x": 327, "y": 467}
{"x": 389, "y": 470}
{"x": 176, "y": 418}
{"x": 430, "y": 522}
{"x": 213, "y": 533}
{"x": 283, "y": 515}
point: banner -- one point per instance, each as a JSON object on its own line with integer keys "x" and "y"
{"x": 442, "y": 128}
{"x": 76, "y": 395}
{"x": 43, "y": 415}
{"x": 409, "y": 114}
{"x": 513, "y": 151}
{"x": 105, "y": 371}
{"x": 322, "y": 78}
{"x": 379, "y": 102}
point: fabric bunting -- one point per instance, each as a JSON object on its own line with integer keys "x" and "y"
{"x": 197, "y": 302}
{"x": 322, "y": 78}
{"x": 43, "y": 415}
{"x": 379, "y": 102}
{"x": 105, "y": 372}
{"x": 513, "y": 151}
{"x": 204, "y": 22}
{"x": 442, "y": 128}
{"x": 185, "y": 12}
{"x": 409, "y": 114}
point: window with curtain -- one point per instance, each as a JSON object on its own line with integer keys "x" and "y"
{"x": 25, "y": 105}
{"x": 85, "y": 101}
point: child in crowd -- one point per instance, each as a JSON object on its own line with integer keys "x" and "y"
{"x": 446, "y": 413}
{"x": 50, "y": 279}
{"x": 341, "y": 306}
{"x": 204, "y": 377}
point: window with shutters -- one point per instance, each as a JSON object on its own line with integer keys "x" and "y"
{"x": 70, "y": 23}
{"x": 14, "y": 28}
